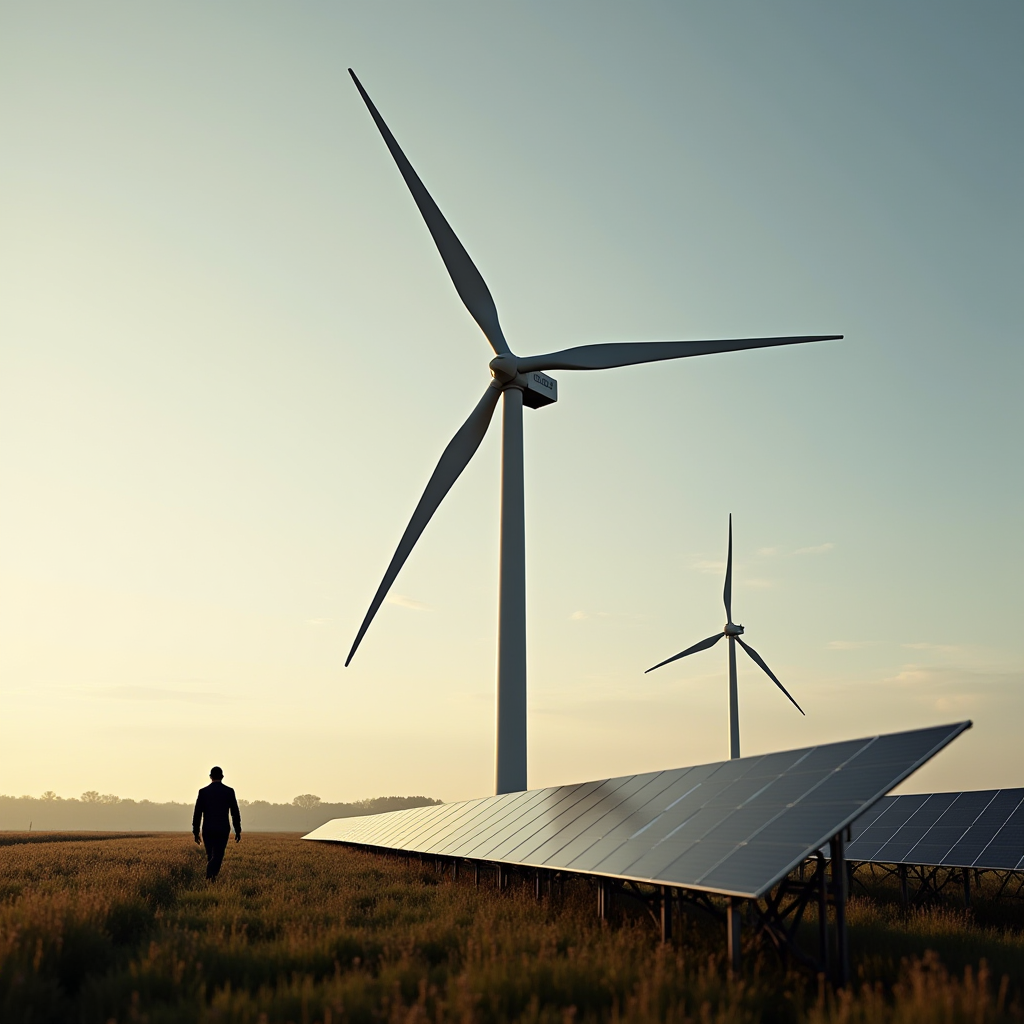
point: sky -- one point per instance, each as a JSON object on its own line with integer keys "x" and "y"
{"x": 231, "y": 357}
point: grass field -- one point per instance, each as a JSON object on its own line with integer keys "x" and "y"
{"x": 126, "y": 929}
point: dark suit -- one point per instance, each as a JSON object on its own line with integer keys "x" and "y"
{"x": 213, "y": 805}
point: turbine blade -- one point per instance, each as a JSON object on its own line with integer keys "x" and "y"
{"x": 466, "y": 278}
{"x": 727, "y": 593}
{"x": 627, "y": 353}
{"x": 453, "y": 461}
{"x": 771, "y": 675}
{"x": 702, "y": 646}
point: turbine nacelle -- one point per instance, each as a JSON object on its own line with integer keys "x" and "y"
{"x": 731, "y": 629}
{"x": 504, "y": 368}
{"x": 538, "y": 389}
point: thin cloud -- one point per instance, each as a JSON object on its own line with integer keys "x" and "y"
{"x": 134, "y": 693}
{"x": 817, "y": 549}
{"x": 710, "y": 567}
{"x": 316, "y": 622}
{"x": 913, "y": 675}
{"x": 407, "y": 602}
{"x": 957, "y": 703}
{"x": 769, "y": 552}
{"x": 953, "y": 679}
{"x": 580, "y": 616}
{"x": 946, "y": 690}
{"x": 718, "y": 569}
{"x": 940, "y": 648}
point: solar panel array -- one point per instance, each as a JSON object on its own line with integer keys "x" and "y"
{"x": 982, "y": 829}
{"x": 733, "y": 827}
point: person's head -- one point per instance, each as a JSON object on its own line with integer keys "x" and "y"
{"x": 216, "y": 774}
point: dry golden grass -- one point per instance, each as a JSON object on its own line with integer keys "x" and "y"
{"x": 127, "y": 929}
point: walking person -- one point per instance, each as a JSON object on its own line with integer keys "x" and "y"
{"x": 213, "y": 805}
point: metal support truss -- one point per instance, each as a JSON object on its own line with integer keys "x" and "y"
{"x": 778, "y": 916}
{"x": 839, "y": 879}
{"x": 657, "y": 901}
{"x": 661, "y": 902}
{"x": 920, "y": 884}
{"x": 1011, "y": 884}
{"x": 701, "y": 901}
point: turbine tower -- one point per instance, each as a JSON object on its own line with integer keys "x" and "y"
{"x": 733, "y": 632}
{"x": 518, "y": 381}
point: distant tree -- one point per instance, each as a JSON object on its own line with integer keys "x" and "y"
{"x": 307, "y": 801}
{"x": 90, "y": 796}
{"x": 49, "y": 795}
{"x": 109, "y": 798}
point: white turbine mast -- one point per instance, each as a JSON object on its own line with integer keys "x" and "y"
{"x": 733, "y": 631}
{"x": 517, "y": 381}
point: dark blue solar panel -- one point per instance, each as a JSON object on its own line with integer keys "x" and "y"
{"x": 932, "y": 809}
{"x": 735, "y": 827}
{"x": 978, "y": 829}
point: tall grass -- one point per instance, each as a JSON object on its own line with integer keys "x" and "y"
{"x": 129, "y": 930}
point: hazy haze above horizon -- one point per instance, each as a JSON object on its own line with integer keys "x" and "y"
{"x": 231, "y": 357}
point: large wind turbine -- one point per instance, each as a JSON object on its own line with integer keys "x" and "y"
{"x": 518, "y": 381}
{"x": 733, "y": 632}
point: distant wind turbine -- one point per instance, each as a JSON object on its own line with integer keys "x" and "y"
{"x": 518, "y": 381}
{"x": 733, "y": 632}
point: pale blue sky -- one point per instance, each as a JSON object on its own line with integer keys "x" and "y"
{"x": 231, "y": 358}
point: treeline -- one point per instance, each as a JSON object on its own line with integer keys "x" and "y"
{"x": 94, "y": 812}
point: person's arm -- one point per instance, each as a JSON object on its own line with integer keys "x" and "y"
{"x": 197, "y": 816}
{"x": 236, "y": 817}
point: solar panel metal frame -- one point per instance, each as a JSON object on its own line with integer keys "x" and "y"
{"x": 938, "y": 830}
{"x": 733, "y": 828}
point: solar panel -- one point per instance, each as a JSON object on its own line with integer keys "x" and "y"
{"x": 733, "y": 827}
{"x": 981, "y": 829}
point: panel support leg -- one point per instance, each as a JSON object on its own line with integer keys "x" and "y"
{"x": 822, "y": 885}
{"x": 837, "y": 849}
{"x": 538, "y": 881}
{"x": 455, "y": 869}
{"x": 901, "y": 871}
{"x": 967, "y": 887}
{"x": 666, "y": 914}
{"x": 734, "y": 925}
{"x": 476, "y": 874}
{"x": 603, "y": 899}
